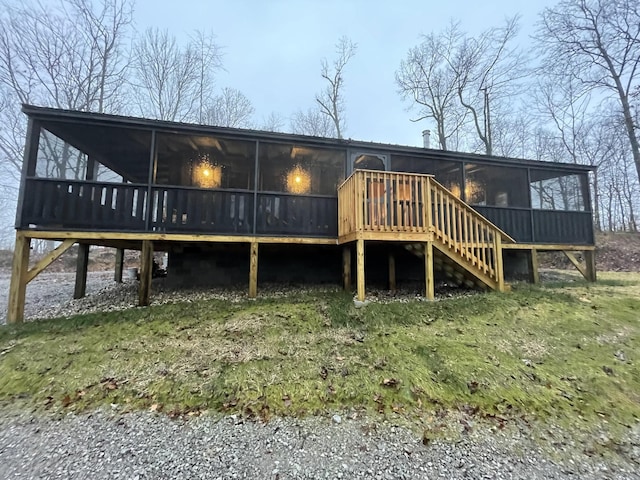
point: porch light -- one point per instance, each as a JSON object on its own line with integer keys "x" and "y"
{"x": 298, "y": 180}
{"x": 206, "y": 174}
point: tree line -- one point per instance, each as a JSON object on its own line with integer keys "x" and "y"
{"x": 571, "y": 95}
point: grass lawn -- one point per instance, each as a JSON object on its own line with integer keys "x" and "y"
{"x": 565, "y": 352}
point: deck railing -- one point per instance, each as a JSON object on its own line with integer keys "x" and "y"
{"x": 89, "y": 205}
{"x": 391, "y": 205}
{"x": 375, "y": 201}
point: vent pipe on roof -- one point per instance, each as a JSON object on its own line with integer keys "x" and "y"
{"x": 426, "y": 137}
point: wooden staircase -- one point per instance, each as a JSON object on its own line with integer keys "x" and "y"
{"x": 419, "y": 211}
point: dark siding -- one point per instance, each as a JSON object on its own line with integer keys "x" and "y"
{"x": 552, "y": 226}
{"x": 514, "y": 221}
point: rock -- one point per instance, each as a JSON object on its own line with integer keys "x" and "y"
{"x": 336, "y": 418}
{"x": 358, "y": 304}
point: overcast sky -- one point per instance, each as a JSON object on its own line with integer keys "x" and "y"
{"x": 273, "y": 49}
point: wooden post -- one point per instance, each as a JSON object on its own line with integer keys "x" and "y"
{"x": 253, "y": 270}
{"x": 81, "y": 271}
{"x": 18, "y": 288}
{"x": 117, "y": 276}
{"x": 360, "y": 268}
{"x": 346, "y": 267}
{"x": 499, "y": 261}
{"x": 534, "y": 275}
{"x": 430, "y": 289}
{"x": 392, "y": 273}
{"x": 590, "y": 261}
{"x": 146, "y": 269}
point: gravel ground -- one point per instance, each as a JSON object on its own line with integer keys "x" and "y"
{"x": 146, "y": 445}
{"x": 150, "y": 446}
{"x": 50, "y": 294}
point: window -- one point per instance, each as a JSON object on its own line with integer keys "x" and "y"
{"x": 553, "y": 191}
{"x": 205, "y": 162}
{"x": 300, "y": 169}
{"x": 496, "y": 186}
{"x": 58, "y": 159}
{"x": 445, "y": 172}
{"x": 368, "y": 161}
{"x": 118, "y": 154}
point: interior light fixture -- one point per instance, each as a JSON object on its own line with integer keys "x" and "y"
{"x": 298, "y": 180}
{"x": 206, "y": 174}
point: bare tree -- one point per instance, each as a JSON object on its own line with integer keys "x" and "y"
{"x": 274, "y": 122}
{"x": 105, "y": 26}
{"x": 170, "y": 81}
{"x": 67, "y": 54}
{"x": 209, "y": 60}
{"x": 425, "y": 78}
{"x": 486, "y": 69}
{"x": 62, "y": 53}
{"x": 330, "y": 99}
{"x": 598, "y": 43}
{"x": 512, "y": 135}
{"x": 231, "y": 108}
{"x": 312, "y": 122}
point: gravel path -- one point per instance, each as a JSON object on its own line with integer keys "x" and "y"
{"x": 150, "y": 446}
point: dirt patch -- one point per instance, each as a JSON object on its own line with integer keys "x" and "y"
{"x": 615, "y": 252}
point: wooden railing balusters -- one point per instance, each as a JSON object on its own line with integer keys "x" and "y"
{"x": 390, "y": 202}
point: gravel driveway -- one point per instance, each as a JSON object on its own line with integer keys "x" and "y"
{"x": 150, "y": 446}
{"x": 144, "y": 445}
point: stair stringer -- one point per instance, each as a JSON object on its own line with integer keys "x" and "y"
{"x": 478, "y": 274}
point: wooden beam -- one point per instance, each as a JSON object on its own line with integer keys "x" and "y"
{"x": 499, "y": 262}
{"x": 534, "y": 274}
{"x": 49, "y": 258}
{"x": 546, "y": 247}
{"x": 392, "y": 273}
{"x": 253, "y": 270}
{"x": 576, "y": 263}
{"x": 360, "y": 269}
{"x": 18, "y": 287}
{"x": 346, "y": 267}
{"x": 430, "y": 286}
{"x": 590, "y": 261}
{"x": 117, "y": 276}
{"x": 176, "y": 237}
{"x": 146, "y": 268}
{"x": 81, "y": 271}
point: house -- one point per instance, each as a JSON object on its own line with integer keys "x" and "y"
{"x": 223, "y": 202}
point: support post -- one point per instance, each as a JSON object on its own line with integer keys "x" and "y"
{"x": 590, "y": 261}
{"x": 430, "y": 289}
{"x": 346, "y": 267}
{"x": 146, "y": 268}
{"x": 360, "y": 268}
{"x": 392, "y": 273}
{"x": 253, "y": 270}
{"x": 499, "y": 261}
{"x": 117, "y": 276}
{"x": 18, "y": 288}
{"x": 534, "y": 274}
{"x": 81, "y": 271}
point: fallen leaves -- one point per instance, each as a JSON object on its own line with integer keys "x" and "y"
{"x": 391, "y": 382}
